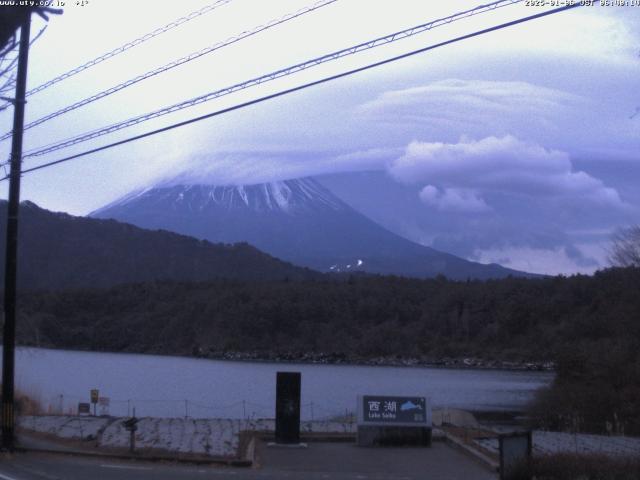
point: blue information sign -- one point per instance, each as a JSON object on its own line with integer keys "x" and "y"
{"x": 394, "y": 410}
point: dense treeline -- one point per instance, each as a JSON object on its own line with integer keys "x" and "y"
{"x": 596, "y": 389}
{"x": 367, "y": 315}
{"x": 589, "y": 325}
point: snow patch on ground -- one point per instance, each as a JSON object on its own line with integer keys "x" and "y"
{"x": 213, "y": 437}
{"x": 81, "y": 428}
{"x": 558, "y": 442}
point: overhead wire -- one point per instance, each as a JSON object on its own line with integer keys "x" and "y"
{"x": 133, "y": 43}
{"x": 123, "y": 48}
{"x": 176, "y": 63}
{"x": 304, "y": 86}
{"x": 269, "y": 77}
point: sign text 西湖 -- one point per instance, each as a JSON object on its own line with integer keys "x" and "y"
{"x": 378, "y": 409}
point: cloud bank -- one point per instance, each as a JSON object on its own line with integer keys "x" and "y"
{"x": 476, "y": 107}
{"x": 504, "y": 165}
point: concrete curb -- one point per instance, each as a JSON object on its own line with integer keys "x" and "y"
{"x": 249, "y": 454}
{"x": 473, "y": 453}
{"x": 230, "y": 462}
{"x": 314, "y": 437}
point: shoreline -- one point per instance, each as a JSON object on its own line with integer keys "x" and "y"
{"x": 463, "y": 363}
{"x": 453, "y": 363}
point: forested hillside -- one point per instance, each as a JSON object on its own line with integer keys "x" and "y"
{"x": 589, "y": 326}
{"x": 362, "y": 316}
{"x": 59, "y": 251}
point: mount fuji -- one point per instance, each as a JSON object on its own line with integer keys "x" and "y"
{"x": 296, "y": 220}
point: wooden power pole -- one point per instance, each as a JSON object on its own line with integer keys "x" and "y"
{"x": 9, "y": 339}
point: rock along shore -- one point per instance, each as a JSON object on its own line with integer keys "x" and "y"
{"x": 383, "y": 361}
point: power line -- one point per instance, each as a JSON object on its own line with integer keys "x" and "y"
{"x": 122, "y": 48}
{"x": 301, "y": 87}
{"x": 133, "y": 43}
{"x": 178, "y": 62}
{"x": 270, "y": 77}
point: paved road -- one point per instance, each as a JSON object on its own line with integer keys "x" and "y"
{"x": 347, "y": 461}
{"x": 318, "y": 462}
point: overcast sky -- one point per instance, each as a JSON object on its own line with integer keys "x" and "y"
{"x": 518, "y": 147}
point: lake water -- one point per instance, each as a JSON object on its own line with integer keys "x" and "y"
{"x": 175, "y": 386}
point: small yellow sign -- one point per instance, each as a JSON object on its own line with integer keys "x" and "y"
{"x": 95, "y": 394}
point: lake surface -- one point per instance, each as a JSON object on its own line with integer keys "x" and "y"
{"x": 174, "y": 386}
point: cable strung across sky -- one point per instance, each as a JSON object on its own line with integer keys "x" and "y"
{"x": 133, "y": 43}
{"x": 299, "y": 88}
{"x": 176, "y": 63}
{"x": 123, "y": 48}
{"x": 271, "y": 76}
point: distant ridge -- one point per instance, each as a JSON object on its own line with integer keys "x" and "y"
{"x": 59, "y": 251}
{"x": 297, "y": 220}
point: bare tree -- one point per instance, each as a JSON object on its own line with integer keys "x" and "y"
{"x": 625, "y": 247}
{"x": 8, "y": 66}
{"x": 11, "y": 18}
{"x": 8, "y": 61}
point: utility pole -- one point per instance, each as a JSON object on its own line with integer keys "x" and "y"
{"x": 9, "y": 339}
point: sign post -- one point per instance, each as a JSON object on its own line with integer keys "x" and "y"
{"x": 104, "y": 405}
{"x": 95, "y": 395}
{"x": 394, "y": 420}
{"x": 84, "y": 408}
{"x": 131, "y": 425}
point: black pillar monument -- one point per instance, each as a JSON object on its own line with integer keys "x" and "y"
{"x": 288, "y": 407}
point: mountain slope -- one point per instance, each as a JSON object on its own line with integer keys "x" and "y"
{"x": 296, "y": 220}
{"x": 57, "y": 250}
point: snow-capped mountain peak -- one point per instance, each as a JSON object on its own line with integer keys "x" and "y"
{"x": 296, "y": 220}
{"x": 288, "y": 196}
